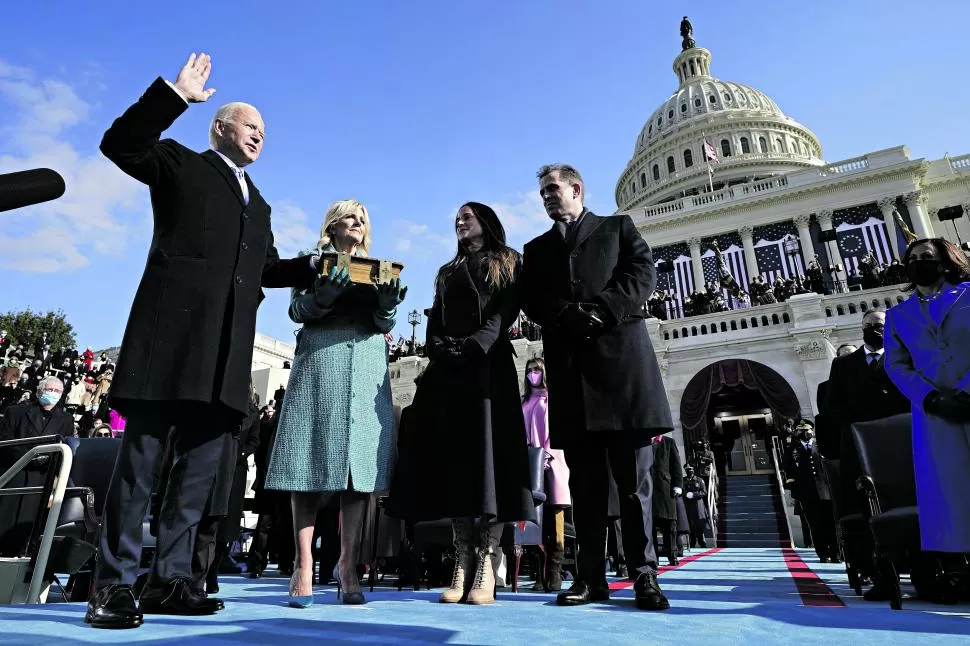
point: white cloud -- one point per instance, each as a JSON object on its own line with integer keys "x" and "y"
{"x": 523, "y": 217}
{"x": 102, "y": 207}
{"x": 419, "y": 240}
{"x": 292, "y": 230}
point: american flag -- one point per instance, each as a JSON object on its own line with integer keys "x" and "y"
{"x": 710, "y": 152}
{"x": 855, "y": 240}
{"x": 769, "y": 250}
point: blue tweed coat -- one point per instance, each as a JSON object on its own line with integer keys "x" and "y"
{"x": 336, "y": 427}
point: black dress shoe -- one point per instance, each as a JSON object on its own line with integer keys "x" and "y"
{"x": 255, "y": 573}
{"x": 878, "y": 592}
{"x": 673, "y": 560}
{"x": 580, "y": 594}
{"x": 177, "y": 598}
{"x": 113, "y": 606}
{"x": 649, "y": 596}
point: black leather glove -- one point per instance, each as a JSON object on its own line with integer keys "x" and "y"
{"x": 450, "y": 351}
{"x": 953, "y": 406}
{"x": 328, "y": 288}
{"x": 580, "y": 321}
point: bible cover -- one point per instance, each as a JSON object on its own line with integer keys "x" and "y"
{"x": 363, "y": 270}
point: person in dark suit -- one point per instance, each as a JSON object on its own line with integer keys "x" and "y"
{"x": 805, "y": 476}
{"x": 220, "y": 522}
{"x": 187, "y": 350}
{"x": 860, "y": 390}
{"x": 695, "y": 495}
{"x": 668, "y": 485}
{"x": 37, "y": 418}
{"x": 585, "y": 281}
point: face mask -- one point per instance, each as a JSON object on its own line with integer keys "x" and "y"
{"x": 924, "y": 271}
{"x": 872, "y": 337}
{"x": 49, "y": 398}
{"x": 535, "y": 378}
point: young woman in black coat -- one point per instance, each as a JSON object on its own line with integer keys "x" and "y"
{"x": 464, "y": 456}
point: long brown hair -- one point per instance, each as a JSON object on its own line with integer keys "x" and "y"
{"x": 498, "y": 259}
{"x": 956, "y": 269}
{"x": 532, "y": 363}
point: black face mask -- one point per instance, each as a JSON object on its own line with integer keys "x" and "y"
{"x": 872, "y": 338}
{"x": 924, "y": 271}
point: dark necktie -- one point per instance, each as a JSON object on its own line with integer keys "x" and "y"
{"x": 873, "y": 358}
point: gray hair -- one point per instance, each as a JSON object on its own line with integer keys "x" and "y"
{"x": 566, "y": 172}
{"x": 874, "y": 310}
{"x": 225, "y": 114}
{"x": 46, "y": 381}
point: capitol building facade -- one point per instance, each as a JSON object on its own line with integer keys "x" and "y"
{"x": 719, "y": 164}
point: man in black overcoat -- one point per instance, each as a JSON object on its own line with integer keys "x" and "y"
{"x": 42, "y": 416}
{"x": 805, "y": 474}
{"x": 859, "y": 390}
{"x": 185, "y": 359}
{"x": 585, "y": 282}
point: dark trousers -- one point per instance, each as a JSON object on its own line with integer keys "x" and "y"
{"x": 821, "y": 523}
{"x": 591, "y": 460}
{"x": 196, "y": 432}
{"x": 208, "y": 551}
{"x": 274, "y": 534}
{"x": 667, "y": 528}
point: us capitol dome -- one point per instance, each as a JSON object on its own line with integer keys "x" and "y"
{"x": 752, "y": 137}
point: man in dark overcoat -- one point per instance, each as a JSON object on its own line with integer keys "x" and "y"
{"x": 859, "y": 390}
{"x": 185, "y": 358}
{"x": 668, "y": 484}
{"x": 585, "y": 282}
{"x": 36, "y": 418}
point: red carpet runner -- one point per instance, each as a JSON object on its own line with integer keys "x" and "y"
{"x": 812, "y": 589}
{"x": 622, "y": 585}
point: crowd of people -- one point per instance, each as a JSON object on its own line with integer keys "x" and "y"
{"x": 913, "y": 360}
{"x": 333, "y": 441}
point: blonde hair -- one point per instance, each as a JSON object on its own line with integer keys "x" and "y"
{"x": 338, "y": 211}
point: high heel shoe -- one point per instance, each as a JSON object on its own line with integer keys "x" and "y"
{"x": 350, "y": 598}
{"x": 352, "y": 507}
{"x": 300, "y": 600}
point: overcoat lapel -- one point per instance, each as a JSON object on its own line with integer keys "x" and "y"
{"x": 220, "y": 165}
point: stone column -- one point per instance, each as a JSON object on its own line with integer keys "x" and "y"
{"x": 750, "y": 260}
{"x": 805, "y": 238}
{"x": 832, "y": 247}
{"x": 695, "y": 261}
{"x": 887, "y": 205}
{"x": 915, "y": 203}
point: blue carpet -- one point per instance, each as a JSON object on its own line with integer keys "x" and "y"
{"x": 734, "y": 596}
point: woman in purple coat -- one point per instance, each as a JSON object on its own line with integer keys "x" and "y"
{"x": 927, "y": 342}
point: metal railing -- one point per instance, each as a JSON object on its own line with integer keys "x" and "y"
{"x": 712, "y": 498}
{"x": 53, "y": 502}
{"x": 778, "y": 453}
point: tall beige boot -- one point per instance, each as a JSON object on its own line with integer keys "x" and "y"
{"x": 461, "y": 580}
{"x": 483, "y": 586}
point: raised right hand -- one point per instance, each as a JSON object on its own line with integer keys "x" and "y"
{"x": 192, "y": 77}
{"x": 328, "y": 288}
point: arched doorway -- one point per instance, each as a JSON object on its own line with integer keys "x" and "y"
{"x": 737, "y": 405}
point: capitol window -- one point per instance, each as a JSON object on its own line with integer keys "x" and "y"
{"x": 656, "y": 172}
{"x": 670, "y": 164}
{"x": 779, "y": 146}
{"x": 659, "y": 121}
{"x": 713, "y": 99}
{"x": 688, "y": 158}
{"x": 643, "y": 179}
{"x": 763, "y": 144}
{"x": 725, "y": 147}
{"x": 697, "y": 102}
{"x": 745, "y": 147}
{"x": 727, "y": 97}
{"x": 670, "y": 113}
{"x": 683, "y": 107}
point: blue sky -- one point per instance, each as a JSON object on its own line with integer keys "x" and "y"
{"x": 416, "y": 107}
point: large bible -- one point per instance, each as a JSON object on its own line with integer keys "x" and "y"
{"x": 362, "y": 270}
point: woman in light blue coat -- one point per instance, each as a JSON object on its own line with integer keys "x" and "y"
{"x": 928, "y": 358}
{"x": 336, "y": 425}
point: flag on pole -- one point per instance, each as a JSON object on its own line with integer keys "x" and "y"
{"x": 710, "y": 152}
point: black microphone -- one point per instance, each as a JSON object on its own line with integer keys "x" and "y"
{"x": 29, "y": 187}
